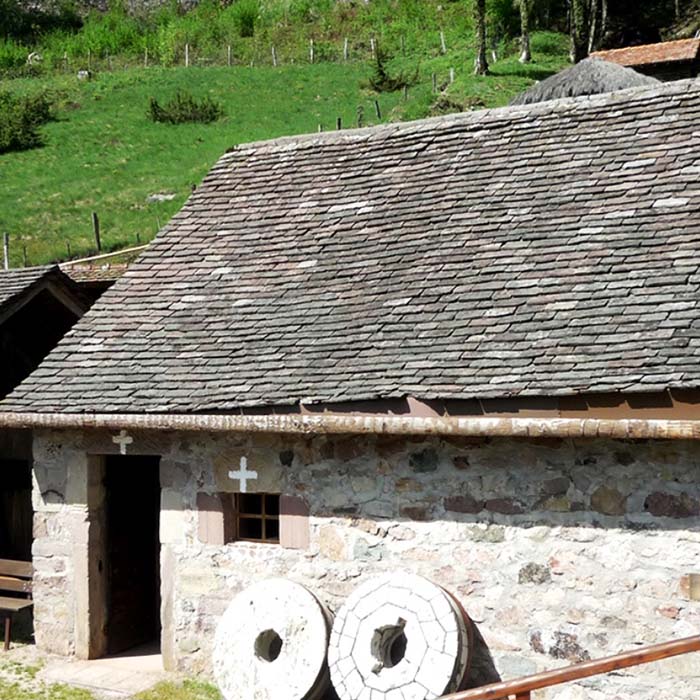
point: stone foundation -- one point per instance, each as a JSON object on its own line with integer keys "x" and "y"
{"x": 560, "y": 551}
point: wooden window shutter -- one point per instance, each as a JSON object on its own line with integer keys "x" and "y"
{"x": 215, "y": 518}
{"x": 294, "y": 522}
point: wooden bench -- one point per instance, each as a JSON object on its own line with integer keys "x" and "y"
{"x": 15, "y": 578}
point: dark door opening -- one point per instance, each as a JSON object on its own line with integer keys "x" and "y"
{"x": 132, "y": 510}
{"x": 15, "y": 510}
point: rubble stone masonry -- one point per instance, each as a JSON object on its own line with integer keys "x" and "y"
{"x": 561, "y": 551}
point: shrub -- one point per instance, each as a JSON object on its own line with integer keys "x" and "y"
{"x": 184, "y": 107}
{"x": 20, "y": 119}
{"x": 245, "y": 14}
{"x": 12, "y": 54}
{"x": 381, "y": 81}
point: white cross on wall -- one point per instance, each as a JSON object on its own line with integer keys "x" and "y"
{"x": 243, "y": 475}
{"x": 123, "y": 439}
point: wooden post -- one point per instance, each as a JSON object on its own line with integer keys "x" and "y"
{"x": 377, "y": 109}
{"x": 68, "y": 249}
{"x": 8, "y": 630}
{"x": 339, "y": 123}
{"x": 274, "y": 57}
{"x": 228, "y": 55}
{"x": 311, "y": 50}
{"x": 187, "y": 55}
{"x": 346, "y": 49}
{"x": 443, "y": 47}
{"x": 405, "y": 93}
{"x": 96, "y": 230}
{"x": 6, "y": 250}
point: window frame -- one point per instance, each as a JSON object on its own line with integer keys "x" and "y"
{"x": 263, "y": 516}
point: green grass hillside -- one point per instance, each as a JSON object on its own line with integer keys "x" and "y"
{"x": 103, "y": 154}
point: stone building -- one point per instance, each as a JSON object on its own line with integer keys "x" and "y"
{"x": 667, "y": 60}
{"x": 464, "y": 347}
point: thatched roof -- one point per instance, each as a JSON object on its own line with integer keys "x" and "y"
{"x": 592, "y": 76}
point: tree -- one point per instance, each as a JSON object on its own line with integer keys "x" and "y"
{"x": 481, "y": 66}
{"x": 578, "y": 27}
{"x": 525, "y": 11}
{"x": 588, "y": 23}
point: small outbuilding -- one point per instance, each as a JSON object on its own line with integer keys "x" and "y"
{"x": 464, "y": 348}
{"x": 667, "y": 60}
{"x": 38, "y": 306}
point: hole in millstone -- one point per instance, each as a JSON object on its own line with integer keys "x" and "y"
{"x": 268, "y": 645}
{"x": 388, "y": 645}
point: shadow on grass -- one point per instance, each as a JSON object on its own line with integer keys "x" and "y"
{"x": 523, "y": 71}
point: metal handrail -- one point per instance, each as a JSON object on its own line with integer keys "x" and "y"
{"x": 522, "y": 687}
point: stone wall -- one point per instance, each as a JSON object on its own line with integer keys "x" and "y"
{"x": 560, "y": 550}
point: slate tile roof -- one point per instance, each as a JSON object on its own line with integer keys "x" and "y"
{"x": 649, "y": 54}
{"x": 15, "y": 282}
{"x": 94, "y": 273}
{"x": 541, "y": 250}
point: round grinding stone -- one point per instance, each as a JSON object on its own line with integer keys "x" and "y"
{"x": 399, "y": 637}
{"x": 271, "y": 644}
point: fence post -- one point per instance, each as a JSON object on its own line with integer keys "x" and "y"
{"x": 6, "y": 250}
{"x": 443, "y": 47}
{"x": 274, "y": 57}
{"x": 228, "y": 55}
{"x": 345, "y": 49}
{"x": 187, "y": 55}
{"x": 96, "y": 230}
{"x": 311, "y": 50}
{"x": 373, "y": 46}
{"x": 452, "y": 75}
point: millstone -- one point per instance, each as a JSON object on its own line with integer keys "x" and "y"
{"x": 399, "y": 637}
{"x": 271, "y": 644}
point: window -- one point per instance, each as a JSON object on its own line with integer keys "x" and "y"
{"x": 253, "y": 517}
{"x": 257, "y": 517}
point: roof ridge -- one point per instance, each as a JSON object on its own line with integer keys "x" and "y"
{"x": 477, "y": 118}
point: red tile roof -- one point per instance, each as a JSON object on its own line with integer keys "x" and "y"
{"x": 665, "y": 52}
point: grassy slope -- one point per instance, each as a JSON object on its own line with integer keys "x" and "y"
{"x": 103, "y": 154}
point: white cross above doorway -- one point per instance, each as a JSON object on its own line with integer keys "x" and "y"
{"x": 123, "y": 439}
{"x": 243, "y": 475}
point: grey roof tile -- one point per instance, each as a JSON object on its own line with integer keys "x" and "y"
{"x": 542, "y": 250}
